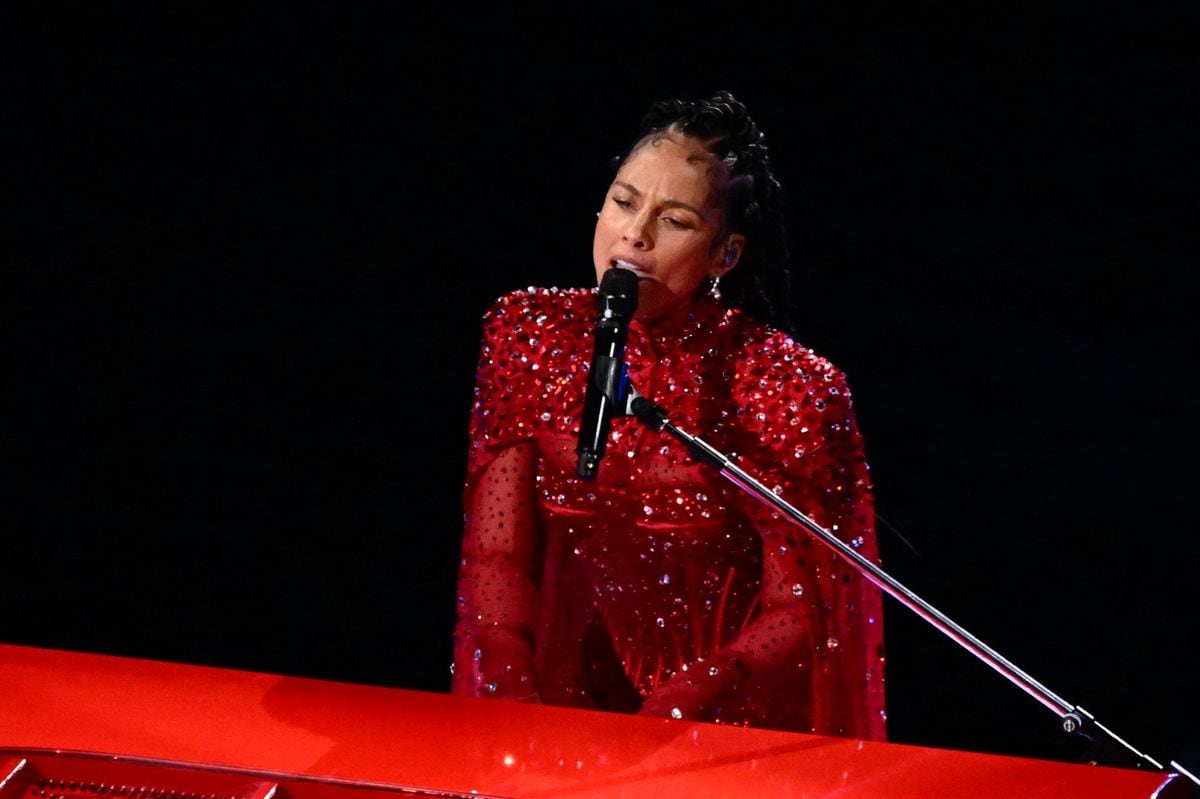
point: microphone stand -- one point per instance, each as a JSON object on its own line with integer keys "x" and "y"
{"x": 1073, "y": 719}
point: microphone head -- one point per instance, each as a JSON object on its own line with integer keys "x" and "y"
{"x": 618, "y": 293}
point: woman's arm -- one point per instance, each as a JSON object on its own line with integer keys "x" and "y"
{"x": 815, "y": 648}
{"x": 497, "y": 582}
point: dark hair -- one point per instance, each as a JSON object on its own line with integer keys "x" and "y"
{"x": 761, "y": 283}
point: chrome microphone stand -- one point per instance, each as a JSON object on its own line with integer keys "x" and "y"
{"x": 1073, "y": 719}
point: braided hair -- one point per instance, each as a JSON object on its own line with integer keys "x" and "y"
{"x": 753, "y": 201}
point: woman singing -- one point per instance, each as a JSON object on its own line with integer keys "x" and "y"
{"x": 660, "y": 588}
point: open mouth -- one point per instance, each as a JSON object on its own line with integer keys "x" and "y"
{"x": 642, "y": 274}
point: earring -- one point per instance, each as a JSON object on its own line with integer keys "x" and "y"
{"x": 714, "y": 288}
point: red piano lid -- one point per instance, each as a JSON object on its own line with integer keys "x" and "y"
{"x": 272, "y": 724}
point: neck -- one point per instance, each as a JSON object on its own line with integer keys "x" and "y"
{"x": 678, "y": 316}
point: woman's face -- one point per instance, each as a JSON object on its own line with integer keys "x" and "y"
{"x": 663, "y": 220}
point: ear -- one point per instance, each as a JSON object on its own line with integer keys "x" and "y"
{"x": 729, "y": 255}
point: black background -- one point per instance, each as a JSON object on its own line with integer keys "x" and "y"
{"x": 251, "y": 248}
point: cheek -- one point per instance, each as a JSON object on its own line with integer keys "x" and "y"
{"x": 608, "y": 232}
{"x": 606, "y": 229}
{"x": 689, "y": 273}
{"x": 603, "y": 231}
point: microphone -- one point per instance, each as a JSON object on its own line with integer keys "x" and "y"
{"x": 606, "y": 384}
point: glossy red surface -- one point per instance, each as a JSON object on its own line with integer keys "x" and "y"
{"x": 210, "y": 722}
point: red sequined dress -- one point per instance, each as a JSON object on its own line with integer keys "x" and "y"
{"x": 660, "y": 587}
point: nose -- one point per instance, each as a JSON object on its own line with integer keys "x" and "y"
{"x": 637, "y": 232}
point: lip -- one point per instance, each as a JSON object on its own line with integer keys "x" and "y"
{"x": 637, "y": 269}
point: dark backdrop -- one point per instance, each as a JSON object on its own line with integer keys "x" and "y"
{"x": 251, "y": 249}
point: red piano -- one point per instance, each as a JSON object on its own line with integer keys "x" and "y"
{"x": 84, "y": 726}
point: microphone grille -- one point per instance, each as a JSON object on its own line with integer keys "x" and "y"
{"x": 618, "y": 292}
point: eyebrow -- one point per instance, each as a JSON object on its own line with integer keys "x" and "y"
{"x": 670, "y": 203}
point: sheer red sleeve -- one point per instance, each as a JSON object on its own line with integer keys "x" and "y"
{"x": 497, "y": 582}
{"x": 815, "y": 649}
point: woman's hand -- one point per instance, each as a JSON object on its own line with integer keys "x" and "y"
{"x": 705, "y": 690}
